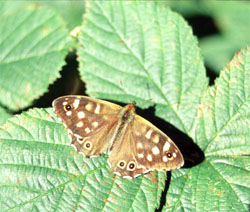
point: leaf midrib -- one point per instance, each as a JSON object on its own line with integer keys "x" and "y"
{"x": 226, "y": 123}
{"x": 139, "y": 62}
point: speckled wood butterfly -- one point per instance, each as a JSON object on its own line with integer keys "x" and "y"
{"x": 136, "y": 146}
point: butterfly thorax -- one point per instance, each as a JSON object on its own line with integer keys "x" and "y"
{"x": 126, "y": 115}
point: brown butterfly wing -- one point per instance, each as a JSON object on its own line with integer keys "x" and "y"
{"x": 122, "y": 159}
{"x": 142, "y": 148}
{"x": 153, "y": 148}
{"x": 90, "y": 122}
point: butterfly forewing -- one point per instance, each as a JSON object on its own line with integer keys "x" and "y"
{"x": 89, "y": 122}
{"x": 153, "y": 149}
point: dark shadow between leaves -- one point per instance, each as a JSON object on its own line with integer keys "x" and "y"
{"x": 164, "y": 193}
{"x": 68, "y": 84}
{"x": 191, "y": 152}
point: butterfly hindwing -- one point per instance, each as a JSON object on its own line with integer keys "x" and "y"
{"x": 122, "y": 160}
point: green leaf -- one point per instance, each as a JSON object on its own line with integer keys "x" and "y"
{"x": 233, "y": 22}
{"x": 224, "y": 112}
{"x": 189, "y": 8}
{"x": 7, "y": 7}
{"x": 218, "y": 50}
{"x": 221, "y": 182}
{"x": 33, "y": 45}
{"x": 142, "y": 52}
{"x": 71, "y": 11}
{"x": 4, "y": 115}
{"x": 40, "y": 171}
{"x": 231, "y": 19}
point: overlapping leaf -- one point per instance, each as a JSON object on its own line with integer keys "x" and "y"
{"x": 4, "y": 115}
{"x": 33, "y": 45}
{"x": 227, "y": 30}
{"x": 40, "y": 171}
{"x": 222, "y": 181}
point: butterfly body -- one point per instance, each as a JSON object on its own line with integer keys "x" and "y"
{"x": 126, "y": 115}
{"x": 136, "y": 146}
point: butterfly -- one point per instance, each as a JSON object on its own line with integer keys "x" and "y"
{"x": 135, "y": 145}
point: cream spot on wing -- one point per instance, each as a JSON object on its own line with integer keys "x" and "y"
{"x": 128, "y": 177}
{"x": 149, "y": 157}
{"x": 97, "y": 109}
{"x": 117, "y": 173}
{"x": 137, "y": 133}
{"x": 155, "y": 150}
{"x": 89, "y": 106}
{"x": 74, "y": 147}
{"x": 78, "y": 136}
{"x": 70, "y": 137}
{"x": 81, "y": 115}
{"x": 131, "y": 166}
{"x": 141, "y": 166}
{"x": 87, "y": 130}
{"x": 65, "y": 103}
{"x": 139, "y": 145}
{"x": 165, "y": 159}
{"x": 122, "y": 164}
{"x": 95, "y": 124}
{"x": 147, "y": 171}
{"x": 76, "y": 103}
{"x": 140, "y": 155}
{"x": 137, "y": 175}
{"x": 80, "y": 140}
{"x": 148, "y": 135}
{"x": 174, "y": 155}
{"x": 88, "y": 145}
{"x": 156, "y": 139}
{"x": 69, "y": 131}
{"x": 79, "y": 124}
{"x": 68, "y": 113}
{"x": 143, "y": 130}
{"x": 82, "y": 154}
{"x": 109, "y": 164}
{"x": 166, "y": 146}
